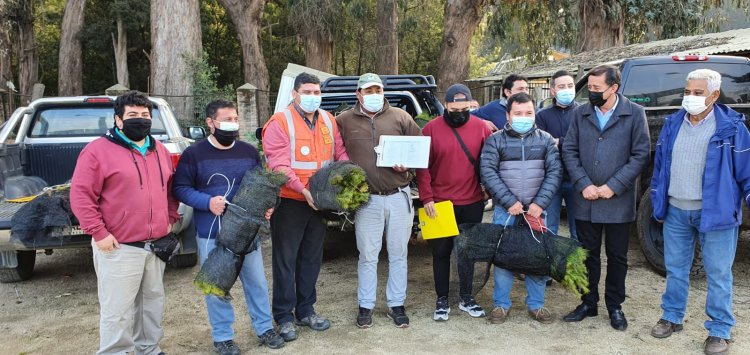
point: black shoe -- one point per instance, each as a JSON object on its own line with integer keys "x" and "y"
{"x": 226, "y": 348}
{"x": 271, "y": 339}
{"x": 581, "y": 312}
{"x": 288, "y": 331}
{"x": 549, "y": 282}
{"x": 617, "y": 319}
{"x": 398, "y": 315}
{"x": 364, "y": 318}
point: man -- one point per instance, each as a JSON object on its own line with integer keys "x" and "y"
{"x": 298, "y": 141}
{"x": 701, "y": 176}
{"x": 457, "y": 140}
{"x": 606, "y": 148}
{"x": 121, "y": 194}
{"x": 390, "y": 208}
{"x": 473, "y": 106}
{"x": 494, "y": 113}
{"x": 555, "y": 120}
{"x": 521, "y": 169}
{"x": 199, "y": 182}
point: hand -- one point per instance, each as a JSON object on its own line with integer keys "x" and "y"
{"x": 400, "y": 168}
{"x": 535, "y": 211}
{"x": 605, "y": 192}
{"x": 309, "y": 198}
{"x": 169, "y": 228}
{"x": 268, "y": 214}
{"x": 516, "y": 209}
{"x": 490, "y": 125}
{"x": 108, "y": 244}
{"x": 429, "y": 208}
{"x": 557, "y": 141}
{"x": 217, "y": 204}
{"x": 590, "y": 193}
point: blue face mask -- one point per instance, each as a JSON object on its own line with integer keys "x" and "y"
{"x": 373, "y": 102}
{"x": 565, "y": 97}
{"x": 522, "y": 124}
{"x": 309, "y": 103}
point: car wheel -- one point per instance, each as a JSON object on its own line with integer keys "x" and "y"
{"x": 24, "y": 270}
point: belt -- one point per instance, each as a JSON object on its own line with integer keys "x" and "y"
{"x": 140, "y": 244}
{"x": 388, "y": 192}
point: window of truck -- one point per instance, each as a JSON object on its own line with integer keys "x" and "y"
{"x": 89, "y": 121}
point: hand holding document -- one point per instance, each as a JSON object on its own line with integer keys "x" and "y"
{"x": 407, "y": 151}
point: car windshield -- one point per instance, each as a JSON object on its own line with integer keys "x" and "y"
{"x": 89, "y": 121}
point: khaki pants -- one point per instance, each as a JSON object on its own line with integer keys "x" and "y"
{"x": 131, "y": 300}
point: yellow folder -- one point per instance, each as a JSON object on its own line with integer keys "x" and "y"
{"x": 443, "y": 225}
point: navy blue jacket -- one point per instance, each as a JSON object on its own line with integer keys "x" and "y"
{"x": 495, "y": 112}
{"x": 555, "y": 120}
{"x": 726, "y": 178}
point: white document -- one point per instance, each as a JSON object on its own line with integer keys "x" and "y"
{"x": 409, "y": 151}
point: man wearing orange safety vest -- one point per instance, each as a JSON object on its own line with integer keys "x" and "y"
{"x": 298, "y": 141}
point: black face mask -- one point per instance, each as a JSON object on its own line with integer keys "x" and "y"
{"x": 457, "y": 118}
{"x": 597, "y": 98}
{"x": 136, "y": 129}
{"x": 225, "y": 138}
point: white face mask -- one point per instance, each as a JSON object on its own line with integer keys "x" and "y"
{"x": 694, "y": 105}
{"x": 227, "y": 126}
{"x": 373, "y": 102}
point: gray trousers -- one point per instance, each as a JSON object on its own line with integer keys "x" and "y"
{"x": 392, "y": 215}
{"x": 131, "y": 300}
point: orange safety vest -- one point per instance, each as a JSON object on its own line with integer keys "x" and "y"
{"x": 310, "y": 150}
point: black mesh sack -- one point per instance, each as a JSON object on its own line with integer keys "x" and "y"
{"x": 46, "y": 217}
{"x": 340, "y": 186}
{"x": 219, "y": 272}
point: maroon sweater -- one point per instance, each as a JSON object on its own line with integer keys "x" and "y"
{"x": 450, "y": 175}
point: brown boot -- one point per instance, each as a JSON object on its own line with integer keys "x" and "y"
{"x": 541, "y": 315}
{"x": 498, "y": 315}
{"x": 716, "y": 346}
{"x": 664, "y": 328}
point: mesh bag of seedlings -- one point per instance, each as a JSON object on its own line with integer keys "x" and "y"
{"x": 340, "y": 186}
{"x": 47, "y": 216}
{"x": 242, "y": 224}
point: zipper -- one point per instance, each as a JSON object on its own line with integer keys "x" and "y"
{"x": 523, "y": 159}
{"x": 374, "y": 144}
{"x": 150, "y": 205}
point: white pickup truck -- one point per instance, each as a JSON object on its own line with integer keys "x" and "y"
{"x": 39, "y": 146}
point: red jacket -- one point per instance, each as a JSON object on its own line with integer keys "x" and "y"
{"x": 450, "y": 175}
{"x": 116, "y": 190}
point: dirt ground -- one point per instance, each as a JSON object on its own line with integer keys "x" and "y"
{"x": 56, "y": 312}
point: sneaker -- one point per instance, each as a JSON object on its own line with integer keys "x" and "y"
{"x": 398, "y": 315}
{"x": 498, "y": 315}
{"x": 271, "y": 339}
{"x": 716, "y": 346}
{"x": 364, "y": 318}
{"x": 471, "y": 307}
{"x": 542, "y": 315}
{"x": 288, "y": 331}
{"x": 226, "y": 348}
{"x": 315, "y": 322}
{"x": 442, "y": 310}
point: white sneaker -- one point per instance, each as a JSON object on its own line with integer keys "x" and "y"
{"x": 471, "y": 307}
{"x": 442, "y": 310}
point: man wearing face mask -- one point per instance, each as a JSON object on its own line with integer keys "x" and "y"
{"x": 389, "y": 210}
{"x": 605, "y": 150}
{"x": 457, "y": 140}
{"x": 200, "y": 183}
{"x": 555, "y": 120}
{"x": 298, "y": 141}
{"x": 701, "y": 176}
{"x": 121, "y": 194}
{"x": 494, "y": 112}
{"x": 520, "y": 168}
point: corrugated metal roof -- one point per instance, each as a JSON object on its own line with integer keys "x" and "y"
{"x": 727, "y": 42}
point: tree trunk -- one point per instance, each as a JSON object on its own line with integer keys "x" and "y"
{"x": 120, "y": 45}
{"x": 319, "y": 51}
{"x": 246, "y": 16}
{"x": 5, "y": 55}
{"x": 603, "y": 25}
{"x": 175, "y": 36}
{"x": 70, "y": 66}
{"x": 461, "y": 20}
{"x": 387, "y": 47}
{"x": 28, "y": 57}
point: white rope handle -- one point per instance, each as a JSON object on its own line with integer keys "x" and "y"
{"x": 230, "y": 186}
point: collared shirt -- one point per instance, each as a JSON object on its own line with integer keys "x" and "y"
{"x": 604, "y": 117}
{"x": 310, "y": 125}
{"x": 690, "y": 124}
{"x": 142, "y": 149}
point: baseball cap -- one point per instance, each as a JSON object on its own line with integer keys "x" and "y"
{"x": 455, "y": 89}
{"x": 369, "y": 79}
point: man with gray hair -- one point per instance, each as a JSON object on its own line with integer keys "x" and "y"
{"x": 702, "y": 160}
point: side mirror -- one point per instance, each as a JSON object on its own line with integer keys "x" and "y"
{"x": 196, "y": 132}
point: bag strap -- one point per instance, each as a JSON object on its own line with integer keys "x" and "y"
{"x": 472, "y": 160}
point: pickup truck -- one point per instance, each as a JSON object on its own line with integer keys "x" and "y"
{"x": 657, "y": 83}
{"x": 39, "y": 146}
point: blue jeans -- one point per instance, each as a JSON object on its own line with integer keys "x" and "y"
{"x": 555, "y": 208}
{"x": 255, "y": 286}
{"x": 535, "y": 285}
{"x": 718, "y": 249}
